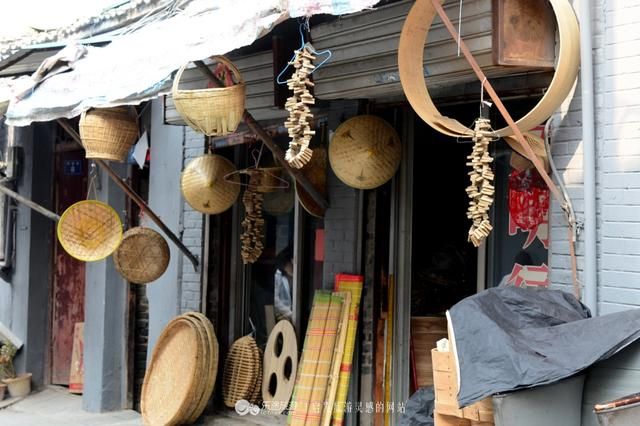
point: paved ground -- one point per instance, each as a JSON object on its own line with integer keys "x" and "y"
{"x": 55, "y": 406}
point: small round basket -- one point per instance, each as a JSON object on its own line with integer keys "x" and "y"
{"x": 204, "y": 187}
{"x": 89, "y": 230}
{"x": 365, "y": 152}
{"x": 108, "y": 133}
{"x": 143, "y": 255}
{"x": 214, "y": 111}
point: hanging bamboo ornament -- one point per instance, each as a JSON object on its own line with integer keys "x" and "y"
{"x": 253, "y": 227}
{"x": 481, "y": 190}
{"x": 299, "y": 122}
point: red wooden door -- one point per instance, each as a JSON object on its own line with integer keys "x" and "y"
{"x": 67, "y": 304}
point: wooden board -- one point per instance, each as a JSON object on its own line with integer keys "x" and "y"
{"x": 425, "y": 332}
{"x": 67, "y": 304}
{"x": 524, "y": 33}
{"x": 76, "y": 374}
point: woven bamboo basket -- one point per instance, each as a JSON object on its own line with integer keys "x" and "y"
{"x": 108, "y": 133}
{"x": 89, "y": 230}
{"x": 214, "y": 111}
{"x": 241, "y": 371}
{"x": 204, "y": 187}
{"x": 143, "y": 255}
{"x": 172, "y": 375}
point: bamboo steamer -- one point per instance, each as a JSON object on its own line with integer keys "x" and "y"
{"x": 241, "y": 371}
{"x": 214, "y": 111}
{"x": 204, "y": 187}
{"x": 108, "y": 133}
{"x": 172, "y": 375}
{"x": 365, "y": 152}
{"x": 89, "y": 230}
{"x": 143, "y": 255}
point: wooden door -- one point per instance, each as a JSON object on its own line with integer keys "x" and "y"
{"x": 67, "y": 299}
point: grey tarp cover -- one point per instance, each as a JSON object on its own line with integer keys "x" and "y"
{"x": 511, "y": 338}
{"x": 419, "y": 408}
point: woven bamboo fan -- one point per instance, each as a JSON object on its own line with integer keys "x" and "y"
{"x": 213, "y": 111}
{"x": 365, "y": 152}
{"x": 172, "y": 375}
{"x": 89, "y": 230}
{"x": 143, "y": 255}
{"x": 108, "y": 133}
{"x": 241, "y": 371}
{"x": 204, "y": 187}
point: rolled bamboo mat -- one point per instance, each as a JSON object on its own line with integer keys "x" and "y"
{"x": 336, "y": 361}
{"x": 310, "y": 356}
{"x": 352, "y": 284}
{"x": 327, "y": 348}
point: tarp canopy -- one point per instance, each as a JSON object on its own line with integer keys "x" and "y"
{"x": 137, "y": 66}
{"x": 513, "y": 338}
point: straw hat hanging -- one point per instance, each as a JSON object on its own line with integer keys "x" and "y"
{"x": 214, "y": 111}
{"x": 143, "y": 255}
{"x": 89, "y": 230}
{"x": 108, "y": 133}
{"x": 204, "y": 187}
{"x": 365, "y": 152}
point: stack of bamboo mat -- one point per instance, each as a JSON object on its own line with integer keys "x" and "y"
{"x": 182, "y": 373}
{"x": 328, "y": 350}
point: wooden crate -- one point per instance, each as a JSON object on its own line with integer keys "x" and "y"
{"x": 446, "y": 391}
{"x": 425, "y": 332}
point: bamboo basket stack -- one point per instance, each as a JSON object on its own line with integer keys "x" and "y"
{"x": 182, "y": 373}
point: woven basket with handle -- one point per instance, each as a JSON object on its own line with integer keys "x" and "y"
{"x": 215, "y": 111}
{"x": 143, "y": 255}
{"x": 108, "y": 133}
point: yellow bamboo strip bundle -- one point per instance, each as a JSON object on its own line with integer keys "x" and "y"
{"x": 353, "y": 285}
{"x": 481, "y": 189}
{"x": 336, "y": 362}
{"x": 310, "y": 356}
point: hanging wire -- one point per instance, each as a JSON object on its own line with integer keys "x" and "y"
{"x": 304, "y": 26}
{"x": 459, "y": 26}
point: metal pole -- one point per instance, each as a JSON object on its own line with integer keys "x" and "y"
{"x": 589, "y": 159}
{"x": 268, "y": 141}
{"x": 37, "y": 207}
{"x": 135, "y": 198}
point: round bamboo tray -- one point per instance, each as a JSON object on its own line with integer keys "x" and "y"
{"x": 143, "y": 255}
{"x": 365, "y": 152}
{"x": 204, "y": 187}
{"x": 215, "y": 111}
{"x": 108, "y": 133}
{"x": 280, "y": 367}
{"x": 212, "y": 371}
{"x": 172, "y": 375}
{"x": 240, "y": 372}
{"x": 89, "y": 230}
{"x": 195, "y": 393}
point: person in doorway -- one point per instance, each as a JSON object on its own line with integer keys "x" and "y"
{"x": 283, "y": 278}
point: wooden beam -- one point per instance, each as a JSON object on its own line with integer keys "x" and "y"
{"x": 135, "y": 198}
{"x": 278, "y": 154}
{"x": 27, "y": 202}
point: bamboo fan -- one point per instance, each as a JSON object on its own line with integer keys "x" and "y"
{"x": 300, "y": 116}
{"x": 252, "y": 237}
{"x": 481, "y": 189}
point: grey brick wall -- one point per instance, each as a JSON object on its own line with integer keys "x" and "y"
{"x": 617, "y": 87}
{"x": 192, "y": 231}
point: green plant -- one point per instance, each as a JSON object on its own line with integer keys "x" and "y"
{"x": 7, "y": 352}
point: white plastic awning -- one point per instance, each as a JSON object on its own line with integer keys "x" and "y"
{"x": 137, "y": 66}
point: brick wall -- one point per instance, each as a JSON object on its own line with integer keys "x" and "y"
{"x": 616, "y": 46}
{"x": 192, "y": 231}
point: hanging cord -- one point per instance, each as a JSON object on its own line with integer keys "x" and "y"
{"x": 575, "y": 226}
{"x": 92, "y": 186}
